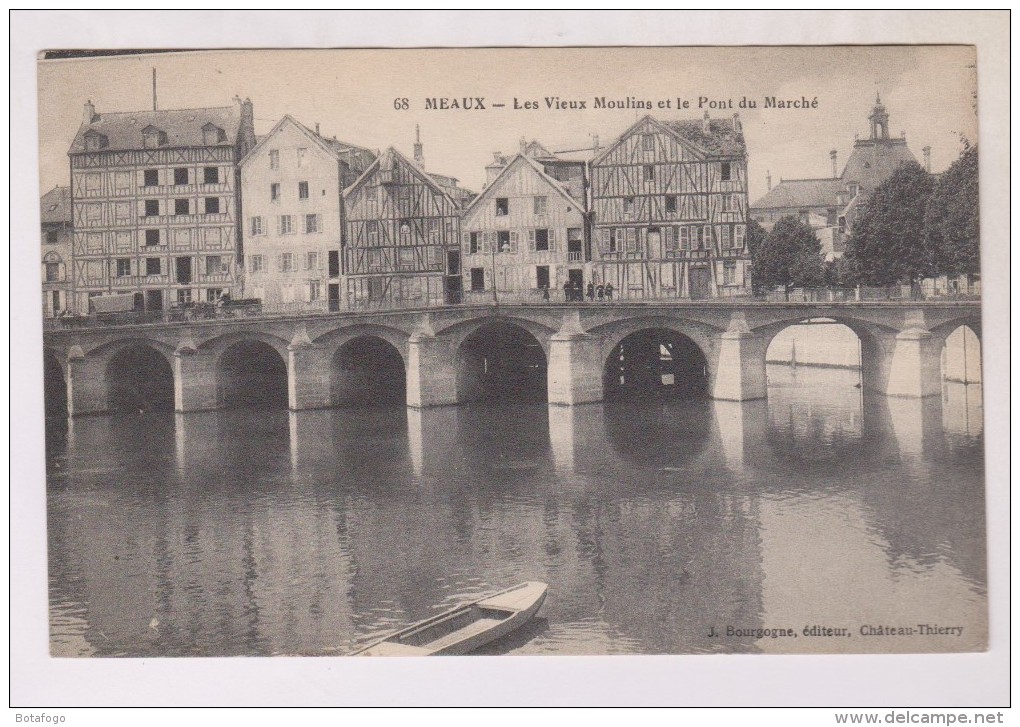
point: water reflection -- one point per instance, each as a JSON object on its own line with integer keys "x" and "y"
{"x": 311, "y": 532}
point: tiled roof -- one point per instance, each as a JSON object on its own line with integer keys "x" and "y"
{"x": 55, "y": 205}
{"x": 183, "y": 127}
{"x": 874, "y": 161}
{"x": 802, "y": 193}
{"x": 721, "y": 139}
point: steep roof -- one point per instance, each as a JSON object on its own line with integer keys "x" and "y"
{"x": 337, "y": 149}
{"x": 55, "y": 206}
{"x": 183, "y": 127}
{"x": 802, "y": 193}
{"x": 721, "y": 139}
{"x": 388, "y": 158}
{"x": 874, "y": 160}
{"x": 518, "y": 160}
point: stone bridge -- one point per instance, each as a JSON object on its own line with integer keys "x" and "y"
{"x": 569, "y": 353}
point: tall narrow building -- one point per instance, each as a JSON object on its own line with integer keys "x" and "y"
{"x": 669, "y": 204}
{"x": 55, "y": 216}
{"x": 401, "y": 244}
{"x": 291, "y": 184}
{"x": 156, "y": 205}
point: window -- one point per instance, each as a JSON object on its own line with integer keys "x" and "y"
{"x": 184, "y": 295}
{"x": 274, "y": 192}
{"x": 151, "y": 177}
{"x": 151, "y": 237}
{"x": 628, "y": 206}
{"x": 477, "y": 279}
{"x": 153, "y": 266}
{"x": 274, "y": 158}
{"x": 286, "y": 224}
{"x": 503, "y": 241}
{"x": 372, "y": 233}
{"x": 648, "y": 142}
{"x": 312, "y": 223}
{"x": 123, "y": 267}
{"x": 611, "y": 244}
{"x": 671, "y": 204}
{"x": 287, "y": 262}
{"x": 685, "y": 238}
{"x": 215, "y": 264}
{"x": 51, "y": 237}
{"x": 211, "y": 175}
{"x": 52, "y": 272}
{"x": 302, "y": 190}
{"x": 302, "y": 157}
{"x": 213, "y": 294}
{"x": 153, "y": 137}
{"x": 314, "y": 290}
{"x": 256, "y": 226}
{"x": 312, "y": 261}
{"x": 649, "y": 173}
{"x": 152, "y": 208}
{"x": 724, "y": 237}
{"x": 541, "y": 240}
{"x": 473, "y": 243}
{"x": 181, "y": 207}
{"x": 334, "y": 263}
{"x": 256, "y": 263}
{"x": 727, "y": 172}
{"x": 730, "y": 272}
{"x": 180, "y": 176}
{"x": 212, "y": 205}
{"x": 540, "y": 205}
{"x": 730, "y": 203}
{"x": 738, "y": 236}
{"x": 502, "y": 206}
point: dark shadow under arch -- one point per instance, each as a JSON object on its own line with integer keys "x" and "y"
{"x": 140, "y": 379}
{"x": 655, "y": 362}
{"x": 54, "y": 387}
{"x": 251, "y": 374}
{"x": 367, "y": 371}
{"x": 501, "y": 361}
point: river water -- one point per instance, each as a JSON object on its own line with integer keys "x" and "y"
{"x": 655, "y": 524}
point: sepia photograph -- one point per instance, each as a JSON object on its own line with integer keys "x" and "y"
{"x": 509, "y": 352}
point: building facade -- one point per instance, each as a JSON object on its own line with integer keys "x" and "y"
{"x": 57, "y": 234}
{"x": 291, "y": 184}
{"x": 156, "y": 203}
{"x": 669, "y": 210}
{"x": 526, "y": 233}
{"x": 401, "y": 241}
{"x": 830, "y": 206}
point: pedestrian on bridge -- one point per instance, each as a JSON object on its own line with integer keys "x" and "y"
{"x": 591, "y": 291}
{"x": 609, "y": 292}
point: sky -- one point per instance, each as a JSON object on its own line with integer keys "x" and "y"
{"x": 928, "y": 92}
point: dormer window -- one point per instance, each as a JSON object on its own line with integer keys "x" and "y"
{"x": 153, "y": 138}
{"x": 94, "y": 141}
{"x": 212, "y": 134}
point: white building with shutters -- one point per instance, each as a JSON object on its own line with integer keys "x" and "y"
{"x": 527, "y": 230}
{"x": 291, "y": 184}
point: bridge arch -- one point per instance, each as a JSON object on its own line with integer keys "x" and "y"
{"x": 251, "y": 373}
{"x": 502, "y": 359}
{"x": 54, "y": 385}
{"x": 459, "y": 332}
{"x": 139, "y": 376}
{"x": 961, "y": 360}
{"x": 367, "y": 370}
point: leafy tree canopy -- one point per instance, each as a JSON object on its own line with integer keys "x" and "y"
{"x": 952, "y": 225}
{"x": 790, "y": 256}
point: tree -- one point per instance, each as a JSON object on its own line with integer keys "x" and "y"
{"x": 952, "y": 225}
{"x": 888, "y": 243}
{"x": 790, "y": 256}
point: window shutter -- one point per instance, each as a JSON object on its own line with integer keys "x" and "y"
{"x": 513, "y": 242}
{"x": 552, "y": 239}
{"x": 487, "y": 241}
{"x": 531, "y": 234}
{"x": 667, "y": 238}
{"x": 308, "y": 292}
{"x": 279, "y": 262}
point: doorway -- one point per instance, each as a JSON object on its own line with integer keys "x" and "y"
{"x": 701, "y": 283}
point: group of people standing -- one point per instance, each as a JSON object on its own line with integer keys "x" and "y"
{"x": 574, "y": 293}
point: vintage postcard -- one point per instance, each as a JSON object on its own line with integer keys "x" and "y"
{"x": 585, "y": 351}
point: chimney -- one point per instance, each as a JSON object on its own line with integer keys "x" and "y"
{"x": 832, "y": 156}
{"x": 927, "y": 159}
{"x": 705, "y": 124}
{"x": 595, "y": 142}
{"x": 736, "y": 123}
{"x": 524, "y": 144}
{"x": 90, "y": 112}
{"x": 317, "y": 129}
{"x": 768, "y": 179}
{"x": 246, "y": 128}
{"x": 419, "y": 151}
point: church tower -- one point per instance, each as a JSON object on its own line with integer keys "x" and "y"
{"x": 879, "y": 119}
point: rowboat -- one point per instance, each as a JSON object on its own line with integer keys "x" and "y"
{"x": 466, "y": 627}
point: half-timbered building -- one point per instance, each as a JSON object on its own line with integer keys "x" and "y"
{"x": 669, "y": 208}
{"x": 291, "y": 184}
{"x": 55, "y": 216}
{"x": 401, "y": 243}
{"x": 526, "y": 232}
{"x": 156, "y": 201}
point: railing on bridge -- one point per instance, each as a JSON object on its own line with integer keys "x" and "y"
{"x": 531, "y": 297}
